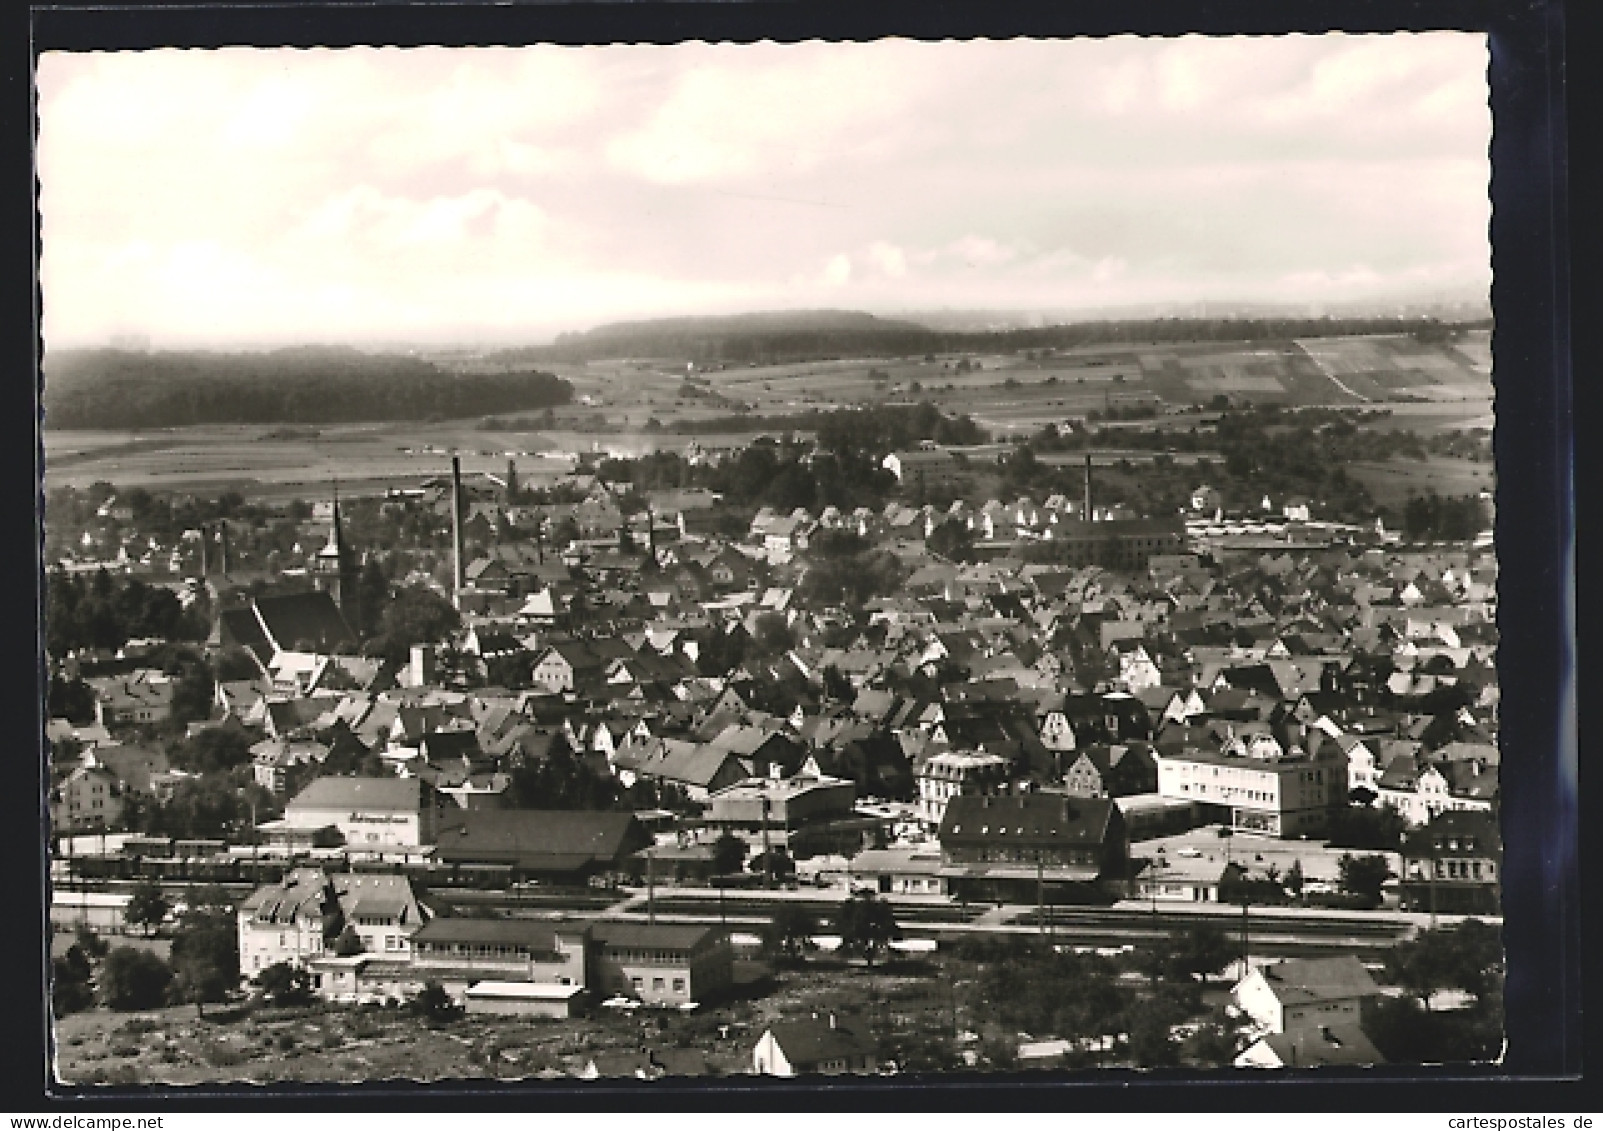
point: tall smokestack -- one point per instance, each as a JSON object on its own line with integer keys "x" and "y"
{"x": 205, "y": 550}
{"x": 456, "y": 531}
{"x": 512, "y": 481}
{"x": 651, "y": 533}
{"x": 1087, "y": 486}
{"x": 222, "y": 544}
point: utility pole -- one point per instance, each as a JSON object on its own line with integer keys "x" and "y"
{"x": 1431, "y": 863}
{"x": 1040, "y": 894}
{"x": 768, "y": 857}
{"x": 1246, "y": 965}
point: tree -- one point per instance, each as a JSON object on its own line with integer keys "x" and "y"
{"x": 205, "y": 957}
{"x": 416, "y": 615}
{"x": 1420, "y": 966}
{"x": 866, "y": 924}
{"x": 1377, "y": 828}
{"x": 1294, "y": 879}
{"x": 72, "y": 982}
{"x": 433, "y": 1003}
{"x": 235, "y": 663}
{"x": 773, "y": 636}
{"x": 952, "y": 540}
{"x": 728, "y": 854}
{"x": 214, "y": 750}
{"x": 1213, "y": 1045}
{"x": 192, "y": 695}
{"x": 837, "y": 685}
{"x": 131, "y": 978}
{"x": 512, "y": 671}
{"x": 284, "y": 984}
{"x": 1364, "y": 877}
{"x": 1468, "y": 956}
{"x": 372, "y": 595}
{"x": 73, "y": 700}
{"x": 1151, "y": 1045}
{"x": 1203, "y": 950}
{"x": 776, "y": 862}
{"x": 205, "y": 807}
{"x": 790, "y": 931}
{"x": 147, "y": 906}
{"x": 91, "y": 945}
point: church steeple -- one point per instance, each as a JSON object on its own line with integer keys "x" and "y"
{"x": 336, "y": 564}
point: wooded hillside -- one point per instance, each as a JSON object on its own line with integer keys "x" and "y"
{"x": 304, "y": 385}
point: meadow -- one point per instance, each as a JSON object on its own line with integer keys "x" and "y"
{"x": 633, "y": 406}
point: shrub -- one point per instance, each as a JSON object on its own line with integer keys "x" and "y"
{"x": 134, "y": 979}
{"x": 220, "y": 1055}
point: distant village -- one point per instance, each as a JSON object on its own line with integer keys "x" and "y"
{"x": 612, "y": 714}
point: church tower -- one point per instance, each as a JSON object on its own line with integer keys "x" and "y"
{"x": 337, "y": 567}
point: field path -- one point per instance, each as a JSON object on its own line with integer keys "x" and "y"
{"x": 1337, "y": 381}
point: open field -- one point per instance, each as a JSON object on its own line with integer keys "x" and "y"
{"x": 1393, "y": 481}
{"x": 274, "y": 462}
{"x": 1442, "y": 386}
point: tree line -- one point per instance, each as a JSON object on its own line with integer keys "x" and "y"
{"x": 305, "y": 385}
{"x": 756, "y": 339}
{"x": 105, "y": 612}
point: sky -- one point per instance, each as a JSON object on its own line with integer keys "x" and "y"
{"x": 256, "y": 197}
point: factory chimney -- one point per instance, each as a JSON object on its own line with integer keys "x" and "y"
{"x": 205, "y": 550}
{"x": 1087, "y": 504}
{"x": 222, "y": 544}
{"x": 512, "y": 482}
{"x": 651, "y": 533}
{"x": 456, "y": 531}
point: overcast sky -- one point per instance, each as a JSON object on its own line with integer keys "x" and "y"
{"x": 259, "y": 196}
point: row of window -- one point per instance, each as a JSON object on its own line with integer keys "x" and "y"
{"x": 649, "y": 957}
{"x": 1462, "y": 870}
{"x": 474, "y": 950}
{"x": 990, "y": 854}
{"x": 658, "y": 985}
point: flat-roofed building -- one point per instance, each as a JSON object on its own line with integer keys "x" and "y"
{"x": 924, "y": 468}
{"x": 1121, "y": 544}
{"x": 662, "y": 963}
{"x": 781, "y": 805}
{"x": 1282, "y": 797}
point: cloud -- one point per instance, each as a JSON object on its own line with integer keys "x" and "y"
{"x": 337, "y": 192}
{"x": 888, "y": 258}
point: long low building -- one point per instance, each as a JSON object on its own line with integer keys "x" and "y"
{"x": 535, "y": 967}
{"x": 555, "y": 846}
{"x": 780, "y": 805}
{"x": 1020, "y": 847}
{"x": 374, "y": 814}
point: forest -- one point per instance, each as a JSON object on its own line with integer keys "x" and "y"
{"x": 303, "y": 385}
{"x": 773, "y": 338}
